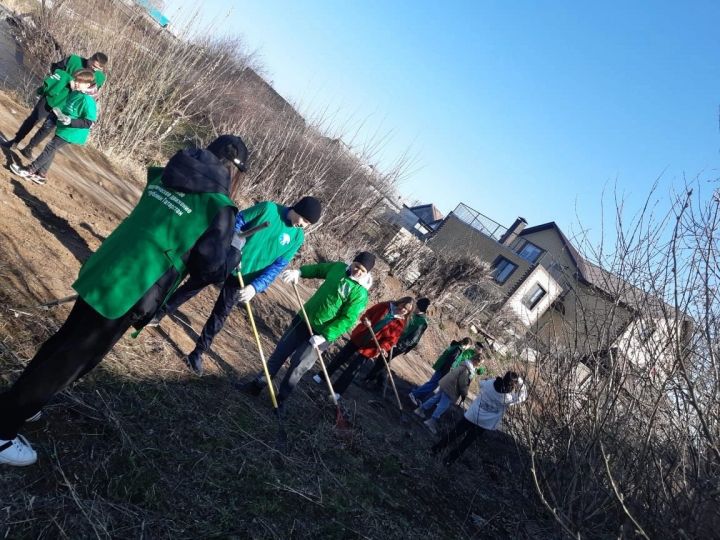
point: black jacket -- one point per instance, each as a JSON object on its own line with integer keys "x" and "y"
{"x": 199, "y": 171}
{"x": 196, "y": 171}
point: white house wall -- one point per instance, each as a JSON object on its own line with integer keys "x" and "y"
{"x": 653, "y": 355}
{"x": 543, "y": 278}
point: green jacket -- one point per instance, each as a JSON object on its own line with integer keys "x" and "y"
{"x": 56, "y": 88}
{"x": 338, "y": 302}
{"x": 452, "y": 355}
{"x": 77, "y": 106}
{"x": 465, "y": 355}
{"x": 163, "y": 226}
{"x": 410, "y": 337}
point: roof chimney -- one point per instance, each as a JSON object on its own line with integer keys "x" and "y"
{"x": 512, "y": 233}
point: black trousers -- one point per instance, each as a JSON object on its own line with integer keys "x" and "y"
{"x": 75, "y": 349}
{"x": 225, "y": 303}
{"x": 40, "y": 112}
{"x": 190, "y": 288}
{"x": 47, "y": 127}
{"x": 464, "y": 427}
{"x": 44, "y": 160}
{"x": 347, "y": 355}
{"x": 378, "y": 371}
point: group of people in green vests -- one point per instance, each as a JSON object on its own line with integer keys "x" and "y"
{"x": 66, "y": 104}
{"x": 186, "y": 233}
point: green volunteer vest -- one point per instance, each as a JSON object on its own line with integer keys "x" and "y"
{"x": 467, "y": 354}
{"x": 75, "y": 62}
{"x": 164, "y": 225}
{"x": 263, "y": 248}
{"x": 78, "y": 105}
{"x": 56, "y": 88}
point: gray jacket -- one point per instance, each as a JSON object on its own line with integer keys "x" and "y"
{"x": 456, "y": 383}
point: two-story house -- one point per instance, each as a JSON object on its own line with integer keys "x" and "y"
{"x": 564, "y": 301}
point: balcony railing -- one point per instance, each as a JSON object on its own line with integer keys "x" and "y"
{"x": 479, "y": 221}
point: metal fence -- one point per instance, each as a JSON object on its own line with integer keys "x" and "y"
{"x": 479, "y": 221}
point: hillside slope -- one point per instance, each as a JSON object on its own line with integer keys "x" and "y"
{"x": 142, "y": 448}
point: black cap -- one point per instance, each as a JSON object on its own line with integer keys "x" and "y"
{"x": 365, "y": 258}
{"x": 309, "y": 209}
{"x": 422, "y": 304}
{"x": 232, "y": 148}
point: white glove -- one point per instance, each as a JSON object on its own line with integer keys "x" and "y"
{"x": 520, "y": 382}
{"x": 237, "y": 242}
{"x": 318, "y": 342}
{"x": 247, "y": 293}
{"x": 62, "y": 118}
{"x": 290, "y": 276}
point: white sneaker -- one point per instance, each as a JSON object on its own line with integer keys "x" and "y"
{"x": 414, "y": 400}
{"x": 35, "y": 417}
{"x": 39, "y": 179}
{"x": 17, "y": 169}
{"x": 317, "y": 378}
{"x": 17, "y": 452}
{"x": 419, "y": 412}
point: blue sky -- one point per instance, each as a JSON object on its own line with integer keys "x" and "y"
{"x": 515, "y": 108}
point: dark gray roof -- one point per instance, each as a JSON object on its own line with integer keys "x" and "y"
{"x": 428, "y": 213}
{"x": 596, "y": 276}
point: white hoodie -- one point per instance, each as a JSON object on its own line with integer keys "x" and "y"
{"x": 488, "y": 407}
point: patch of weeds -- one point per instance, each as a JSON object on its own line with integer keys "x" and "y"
{"x": 132, "y": 482}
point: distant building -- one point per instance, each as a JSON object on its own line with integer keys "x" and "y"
{"x": 564, "y": 301}
{"x": 419, "y": 220}
{"x": 154, "y": 13}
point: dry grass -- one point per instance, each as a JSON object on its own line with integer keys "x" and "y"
{"x": 20, "y": 6}
{"x": 141, "y": 448}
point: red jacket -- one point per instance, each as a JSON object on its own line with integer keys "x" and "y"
{"x": 388, "y": 335}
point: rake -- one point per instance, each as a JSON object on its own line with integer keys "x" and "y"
{"x": 340, "y": 421}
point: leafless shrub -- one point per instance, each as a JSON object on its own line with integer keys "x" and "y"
{"x": 624, "y": 429}
{"x": 160, "y": 87}
{"x": 166, "y": 92}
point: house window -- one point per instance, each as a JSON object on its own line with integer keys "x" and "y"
{"x": 530, "y": 252}
{"x": 647, "y": 329}
{"x": 503, "y": 270}
{"x": 534, "y": 296}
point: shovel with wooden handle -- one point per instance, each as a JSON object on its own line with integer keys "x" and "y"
{"x": 282, "y": 434}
